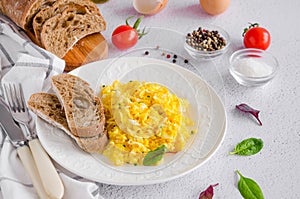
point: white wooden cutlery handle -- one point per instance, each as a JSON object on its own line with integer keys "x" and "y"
{"x": 49, "y": 176}
{"x": 29, "y": 165}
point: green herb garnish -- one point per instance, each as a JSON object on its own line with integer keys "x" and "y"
{"x": 248, "y": 147}
{"x": 153, "y": 157}
{"x": 248, "y": 188}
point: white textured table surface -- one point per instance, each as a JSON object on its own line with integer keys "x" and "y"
{"x": 277, "y": 167}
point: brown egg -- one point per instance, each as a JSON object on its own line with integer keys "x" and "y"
{"x": 149, "y": 7}
{"x": 214, "y": 7}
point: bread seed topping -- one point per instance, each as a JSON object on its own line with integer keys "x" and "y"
{"x": 205, "y": 40}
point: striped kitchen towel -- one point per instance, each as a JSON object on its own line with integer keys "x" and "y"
{"x": 16, "y": 50}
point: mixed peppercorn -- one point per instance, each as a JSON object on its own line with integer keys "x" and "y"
{"x": 168, "y": 56}
{"x": 205, "y": 40}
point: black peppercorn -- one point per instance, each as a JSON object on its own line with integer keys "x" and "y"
{"x": 205, "y": 40}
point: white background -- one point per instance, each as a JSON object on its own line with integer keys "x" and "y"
{"x": 277, "y": 167}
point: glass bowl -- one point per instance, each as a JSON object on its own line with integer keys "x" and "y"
{"x": 252, "y": 67}
{"x": 200, "y": 54}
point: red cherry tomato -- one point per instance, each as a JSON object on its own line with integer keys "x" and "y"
{"x": 125, "y": 36}
{"x": 257, "y": 37}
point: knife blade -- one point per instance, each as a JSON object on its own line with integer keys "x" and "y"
{"x": 12, "y": 129}
{"x": 15, "y": 135}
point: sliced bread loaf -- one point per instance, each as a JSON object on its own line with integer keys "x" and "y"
{"x": 84, "y": 111}
{"x": 22, "y": 12}
{"x": 85, "y": 8}
{"x": 48, "y": 107}
{"x": 60, "y": 32}
{"x": 73, "y": 20}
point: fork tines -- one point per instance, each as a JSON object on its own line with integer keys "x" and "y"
{"x": 15, "y": 96}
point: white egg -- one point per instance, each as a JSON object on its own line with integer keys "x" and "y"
{"x": 149, "y": 7}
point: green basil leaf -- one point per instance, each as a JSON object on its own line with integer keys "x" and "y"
{"x": 248, "y": 146}
{"x": 153, "y": 157}
{"x": 248, "y": 188}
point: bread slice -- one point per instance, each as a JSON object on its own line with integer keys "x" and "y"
{"x": 84, "y": 111}
{"x": 63, "y": 15}
{"x": 22, "y": 12}
{"x": 62, "y": 31}
{"x": 58, "y": 8}
{"x": 48, "y": 107}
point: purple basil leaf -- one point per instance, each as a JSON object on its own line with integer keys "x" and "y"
{"x": 247, "y": 109}
{"x": 208, "y": 193}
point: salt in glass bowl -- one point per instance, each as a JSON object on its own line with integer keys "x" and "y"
{"x": 253, "y": 67}
{"x": 208, "y": 55}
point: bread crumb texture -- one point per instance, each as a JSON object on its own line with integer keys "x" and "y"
{"x": 84, "y": 111}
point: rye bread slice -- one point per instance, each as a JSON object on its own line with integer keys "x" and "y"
{"x": 84, "y": 111}
{"x": 62, "y": 31}
{"x": 48, "y": 107}
{"x": 83, "y": 7}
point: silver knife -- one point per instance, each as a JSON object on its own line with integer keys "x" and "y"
{"x": 15, "y": 135}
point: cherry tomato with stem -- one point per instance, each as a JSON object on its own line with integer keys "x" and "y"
{"x": 126, "y": 36}
{"x": 256, "y": 37}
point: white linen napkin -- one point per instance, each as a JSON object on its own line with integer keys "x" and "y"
{"x": 24, "y": 62}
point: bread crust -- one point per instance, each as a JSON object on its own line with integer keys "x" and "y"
{"x": 94, "y": 144}
{"x": 84, "y": 111}
{"x": 23, "y": 11}
{"x": 48, "y": 107}
{"x": 17, "y": 11}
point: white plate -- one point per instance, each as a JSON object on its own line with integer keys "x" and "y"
{"x": 212, "y": 125}
{"x": 198, "y": 96}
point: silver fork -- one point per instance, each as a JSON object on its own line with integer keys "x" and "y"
{"x": 15, "y": 98}
{"x": 49, "y": 176}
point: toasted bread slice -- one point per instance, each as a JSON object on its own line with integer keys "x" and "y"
{"x": 48, "y": 107}
{"x": 84, "y": 111}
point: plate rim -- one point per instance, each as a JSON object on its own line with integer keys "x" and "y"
{"x": 207, "y": 157}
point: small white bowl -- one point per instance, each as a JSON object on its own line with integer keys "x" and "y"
{"x": 253, "y": 67}
{"x": 207, "y": 55}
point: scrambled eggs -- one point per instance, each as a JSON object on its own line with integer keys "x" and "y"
{"x": 140, "y": 117}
